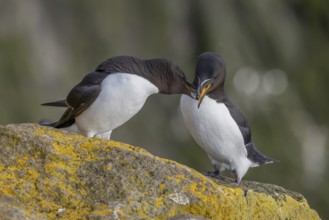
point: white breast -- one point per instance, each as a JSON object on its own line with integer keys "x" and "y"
{"x": 214, "y": 130}
{"x": 121, "y": 97}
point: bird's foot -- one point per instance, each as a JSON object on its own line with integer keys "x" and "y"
{"x": 213, "y": 174}
{"x": 105, "y": 135}
{"x": 236, "y": 183}
{"x": 237, "y": 179}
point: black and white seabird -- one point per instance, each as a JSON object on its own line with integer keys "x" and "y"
{"x": 112, "y": 94}
{"x": 218, "y": 125}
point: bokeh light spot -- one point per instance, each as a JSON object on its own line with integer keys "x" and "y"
{"x": 246, "y": 80}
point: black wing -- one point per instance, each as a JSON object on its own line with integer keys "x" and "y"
{"x": 81, "y": 97}
{"x": 240, "y": 119}
{"x": 85, "y": 93}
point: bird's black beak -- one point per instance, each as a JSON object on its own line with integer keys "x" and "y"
{"x": 189, "y": 87}
{"x": 202, "y": 91}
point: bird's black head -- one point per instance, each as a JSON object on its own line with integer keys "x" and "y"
{"x": 167, "y": 76}
{"x": 209, "y": 74}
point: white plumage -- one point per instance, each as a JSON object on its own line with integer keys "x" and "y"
{"x": 121, "y": 97}
{"x": 217, "y": 133}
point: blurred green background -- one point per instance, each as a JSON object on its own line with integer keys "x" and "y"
{"x": 277, "y": 55}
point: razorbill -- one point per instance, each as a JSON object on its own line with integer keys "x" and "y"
{"x": 217, "y": 124}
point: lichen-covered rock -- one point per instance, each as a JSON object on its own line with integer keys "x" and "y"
{"x": 46, "y": 173}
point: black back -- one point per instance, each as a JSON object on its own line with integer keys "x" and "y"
{"x": 211, "y": 67}
{"x": 240, "y": 119}
{"x": 163, "y": 73}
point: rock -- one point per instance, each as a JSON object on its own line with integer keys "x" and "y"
{"x": 46, "y": 173}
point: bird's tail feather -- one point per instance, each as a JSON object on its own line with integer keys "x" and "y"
{"x": 60, "y": 103}
{"x": 258, "y": 157}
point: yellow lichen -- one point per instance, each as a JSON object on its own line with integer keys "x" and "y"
{"x": 158, "y": 202}
{"x": 2, "y": 167}
{"x": 55, "y": 190}
{"x": 162, "y": 186}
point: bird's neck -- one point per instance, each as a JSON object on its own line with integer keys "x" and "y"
{"x": 163, "y": 73}
{"x": 218, "y": 94}
{"x": 166, "y": 75}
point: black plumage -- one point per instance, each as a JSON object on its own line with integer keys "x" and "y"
{"x": 163, "y": 73}
{"x": 209, "y": 82}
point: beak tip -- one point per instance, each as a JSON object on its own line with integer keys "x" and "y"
{"x": 201, "y": 93}
{"x": 199, "y": 104}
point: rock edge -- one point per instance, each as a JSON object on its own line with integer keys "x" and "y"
{"x": 46, "y": 173}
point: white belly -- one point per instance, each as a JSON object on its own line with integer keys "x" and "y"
{"x": 121, "y": 97}
{"x": 214, "y": 130}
